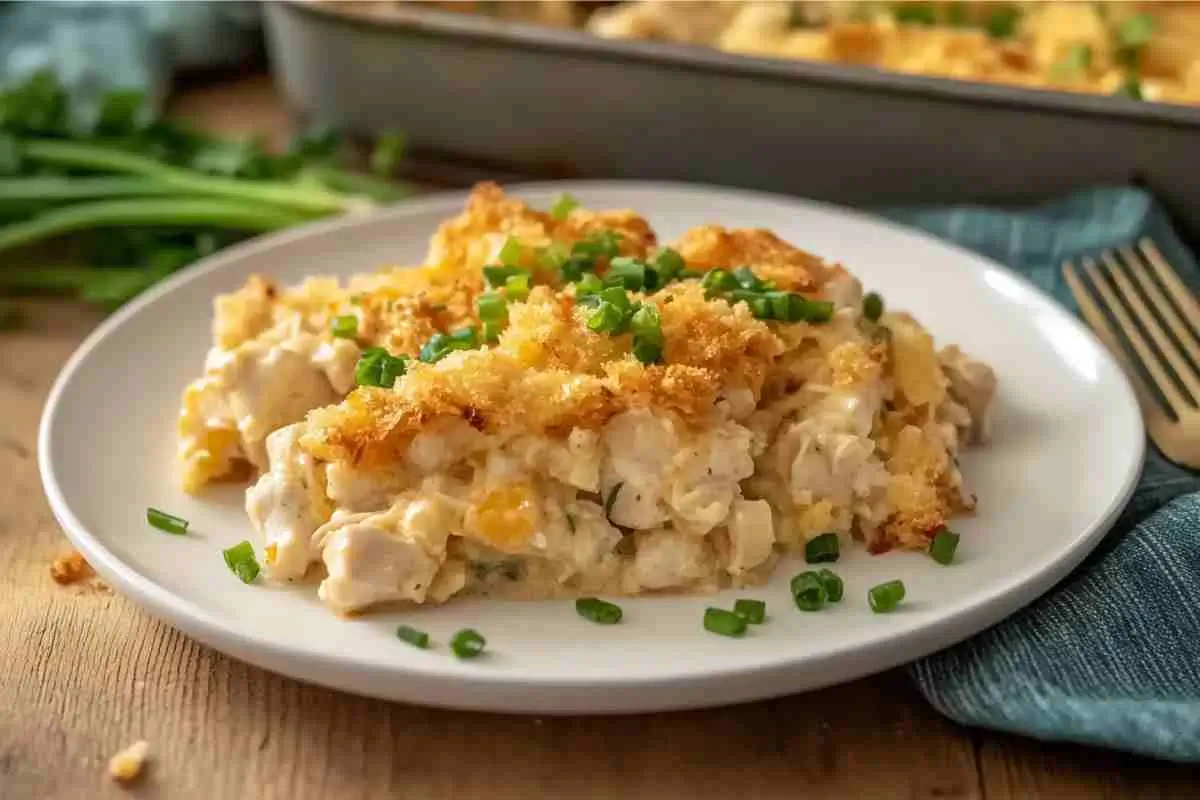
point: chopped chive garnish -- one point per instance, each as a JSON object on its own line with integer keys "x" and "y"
{"x": 496, "y": 277}
{"x": 808, "y": 591}
{"x": 612, "y": 498}
{"x": 491, "y": 307}
{"x": 885, "y": 596}
{"x": 647, "y": 352}
{"x": 467, "y": 643}
{"x": 746, "y": 278}
{"x": 553, "y": 255}
{"x": 563, "y": 206}
{"x": 1002, "y": 23}
{"x": 872, "y": 307}
{"x": 598, "y": 611}
{"x": 413, "y": 636}
{"x": 753, "y": 611}
{"x": 492, "y": 331}
{"x": 818, "y": 310}
{"x": 726, "y": 623}
{"x": 510, "y": 253}
{"x": 464, "y": 339}
{"x": 605, "y": 244}
{"x": 719, "y": 280}
{"x": 1131, "y": 87}
{"x": 377, "y": 367}
{"x": 607, "y": 318}
{"x": 616, "y": 296}
{"x": 241, "y": 561}
{"x": 575, "y": 267}
{"x": 517, "y": 286}
{"x": 647, "y": 324}
{"x": 589, "y": 284}
{"x": 669, "y": 264}
{"x": 437, "y": 348}
{"x": 1077, "y": 59}
{"x": 344, "y": 327}
{"x": 943, "y": 546}
{"x": 834, "y": 588}
{"x": 1137, "y": 31}
{"x": 630, "y": 271}
{"x": 786, "y": 306}
{"x": 166, "y": 522}
{"x": 822, "y": 549}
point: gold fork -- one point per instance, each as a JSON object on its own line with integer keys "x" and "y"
{"x": 1173, "y": 415}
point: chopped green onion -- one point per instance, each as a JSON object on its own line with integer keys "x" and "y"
{"x": 719, "y": 280}
{"x": 629, "y": 271}
{"x": 241, "y": 561}
{"x": 344, "y": 327}
{"x": 496, "y": 277}
{"x": 387, "y": 153}
{"x": 689, "y": 274}
{"x": 746, "y": 278}
{"x": 647, "y": 352}
{"x": 808, "y": 591}
{"x": 510, "y": 253}
{"x": 517, "y": 287}
{"x": 607, "y": 318}
{"x": 753, "y": 611}
{"x": 612, "y": 498}
{"x": 1002, "y": 23}
{"x": 915, "y": 14}
{"x": 834, "y": 588}
{"x": 563, "y": 206}
{"x": 437, "y": 348}
{"x": 1077, "y": 59}
{"x": 553, "y": 255}
{"x": 491, "y": 307}
{"x": 818, "y": 310}
{"x": 589, "y": 284}
{"x": 464, "y": 339}
{"x": 599, "y": 611}
{"x": 943, "y": 546}
{"x": 492, "y": 330}
{"x": 467, "y": 643}
{"x": 646, "y": 324}
{"x": 377, "y": 367}
{"x": 669, "y": 264}
{"x": 1137, "y": 31}
{"x": 885, "y": 596}
{"x": 413, "y": 636}
{"x": 787, "y": 306}
{"x": 759, "y": 303}
{"x": 605, "y": 244}
{"x": 575, "y": 267}
{"x": 872, "y": 307}
{"x": 1131, "y": 87}
{"x": 616, "y": 295}
{"x": 166, "y": 522}
{"x": 725, "y": 623}
{"x": 822, "y": 549}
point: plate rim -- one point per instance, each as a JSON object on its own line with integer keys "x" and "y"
{"x": 971, "y": 616}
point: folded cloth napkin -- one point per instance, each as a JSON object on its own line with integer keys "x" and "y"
{"x": 1111, "y": 656}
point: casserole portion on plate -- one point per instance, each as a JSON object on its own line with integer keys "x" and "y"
{"x": 554, "y": 404}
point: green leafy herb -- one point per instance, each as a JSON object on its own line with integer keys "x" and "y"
{"x": 753, "y": 611}
{"x": 510, "y": 253}
{"x": 563, "y": 206}
{"x": 166, "y": 522}
{"x": 413, "y": 636}
{"x": 822, "y": 549}
{"x": 345, "y": 326}
{"x": 1002, "y": 22}
{"x": 467, "y": 643}
{"x": 834, "y": 588}
{"x": 1076, "y": 61}
{"x": 598, "y": 611}
{"x": 1136, "y": 31}
{"x": 725, "y": 623}
{"x": 915, "y": 14}
{"x": 241, "y": 561}
{"x": 377, "y": 367}
{"x": 886, "y": 596}
{"x": 808, "y": 591}
{"x": 943, "y": 546}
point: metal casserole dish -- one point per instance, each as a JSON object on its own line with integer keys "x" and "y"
{"x": 540, "y": 101}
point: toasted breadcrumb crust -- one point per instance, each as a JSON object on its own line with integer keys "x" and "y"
{"x": 549, "y": 373}
{"x": 127, "y": 765}
{"x": 70, "y": 568}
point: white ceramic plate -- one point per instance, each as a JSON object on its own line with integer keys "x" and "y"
{"x": 1066, "y": 453}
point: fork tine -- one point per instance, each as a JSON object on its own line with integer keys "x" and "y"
{"x": 1134, "y": 337}
{"x": 1095, "y": 317}
{"x": 1170, "y": 279}
{"x": 1183, "y": 334}
{"x": 1184, "y": 370}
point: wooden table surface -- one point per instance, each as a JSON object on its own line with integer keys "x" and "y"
{"x": 84, "y": 672}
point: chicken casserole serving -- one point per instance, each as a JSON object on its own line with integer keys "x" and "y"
{"x": 553, "y": 404}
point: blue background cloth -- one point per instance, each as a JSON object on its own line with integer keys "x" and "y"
{"x": 1111, "y": 656}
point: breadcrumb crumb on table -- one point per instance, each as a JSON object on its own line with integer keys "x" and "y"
{"x": 127, "y": 765}
{"x": 70, "y": 568}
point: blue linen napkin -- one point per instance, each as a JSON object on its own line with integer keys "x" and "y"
{"x": 1111, "y": 656}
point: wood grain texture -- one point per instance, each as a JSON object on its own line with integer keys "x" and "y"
{"x": 83, "y": 673}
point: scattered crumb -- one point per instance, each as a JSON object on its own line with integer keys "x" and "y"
{"x": 70, "y": 568}
{"x": 126, "y": 765}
